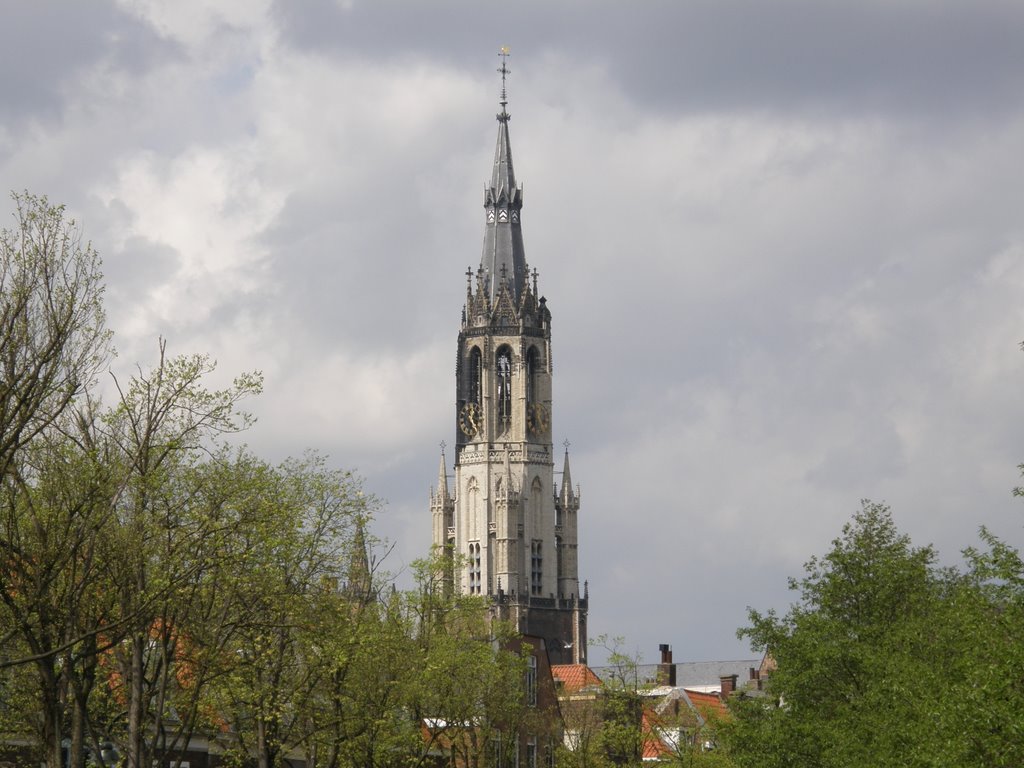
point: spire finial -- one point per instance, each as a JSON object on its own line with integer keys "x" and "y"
{"x": 442, "y": 477}
{"x": 505, "y": 71}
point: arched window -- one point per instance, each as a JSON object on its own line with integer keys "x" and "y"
{"x": 474, "y": 568}
{"x": 536, "y": 568}
{"x": 532, "y": 362}
{"x": 473, "y": 380}
{"x": 558, "y": 557}
{"x": 472, "y": 508}
{"x": 503, "y": 370}
{"x": 536, "y": 513}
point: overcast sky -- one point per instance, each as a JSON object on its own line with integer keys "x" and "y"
{"x": 782, "y": 244}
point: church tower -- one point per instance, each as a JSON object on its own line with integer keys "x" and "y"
{"x": 511, "y": 528}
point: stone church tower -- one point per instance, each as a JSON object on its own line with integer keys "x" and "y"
{"x": 511, "y": 528}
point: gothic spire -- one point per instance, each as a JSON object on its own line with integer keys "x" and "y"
{"x": 442, "y": 479}
{"x": 504, "y": 258}
{"x": 359, "y": 571}
{"x": 567, "y": 492}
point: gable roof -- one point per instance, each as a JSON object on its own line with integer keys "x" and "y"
{"x": 706, "y": 704}
{"x": 655, "y": 743}
{"x": 574, "y": 677}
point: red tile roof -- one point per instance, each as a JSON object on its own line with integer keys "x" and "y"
{"x": 574, "y": 677}
{"x": 707, "y": 704}
{"x": 654, "y": 745}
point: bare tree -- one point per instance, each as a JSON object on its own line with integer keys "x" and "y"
{"x": 53, "y": 336}
{"x": 53, "y": 341}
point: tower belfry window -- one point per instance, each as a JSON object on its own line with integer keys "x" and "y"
{"x": 503, "y": 365}
{"x": 473, "y": 381}
{"x": 531, "y": 375}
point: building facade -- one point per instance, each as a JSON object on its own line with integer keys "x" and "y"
{"x": 509, "y": 527}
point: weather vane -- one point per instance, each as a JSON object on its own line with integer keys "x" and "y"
{"x": 504, "y": 70}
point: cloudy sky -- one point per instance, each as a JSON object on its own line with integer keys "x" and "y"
{"x": 782, "y": 243}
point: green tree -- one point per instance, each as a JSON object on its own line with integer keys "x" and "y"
{"x": 160, "y": 433}
{"x": 604, "y": 725}
{"x": 468, "y": 691}
{"x": 986, "y": 695}
{"x": 296, "y": 623}
{"x": 887, "y": 659}
{"x": 53, "y": 491}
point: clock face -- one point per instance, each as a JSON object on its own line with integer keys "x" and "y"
{"x": 537, "y": 418}
{"x": 470, "y": 419}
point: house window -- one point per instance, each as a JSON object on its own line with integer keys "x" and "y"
{"x": 531, "y": 681}
{"x": 536, "y": 568}
{"x": 496, "y": 751}
{"x": 531, "y": 753}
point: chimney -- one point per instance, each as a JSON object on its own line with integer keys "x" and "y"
{"x": 666, "y": 669}
{"x": 666, "y": 653}
{"x": 728, "y": 685}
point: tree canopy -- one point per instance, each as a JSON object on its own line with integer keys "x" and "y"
{"x": 158, "y": 583}
{"x": 888, "y": 659}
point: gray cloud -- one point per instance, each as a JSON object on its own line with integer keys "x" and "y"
{"x": 45, "y": 51}
{"x": 878, "y": 57}
{"x": 781, "y": 246}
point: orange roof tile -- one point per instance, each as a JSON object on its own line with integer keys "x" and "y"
{"x": 707, "y": 703}
{"x": 654, "y": 746}
{"x": 574, "y": 677}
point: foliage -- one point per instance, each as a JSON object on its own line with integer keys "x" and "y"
{"x": 156, "y": 584}
{"x": 886, "y": 659}
{"x": 469, "y": 690}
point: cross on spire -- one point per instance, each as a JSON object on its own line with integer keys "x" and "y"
{"x": 504, "y": 71}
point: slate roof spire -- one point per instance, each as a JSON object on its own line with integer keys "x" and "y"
{"x": 568, "y": 496}
{"x": 504, "y": 259}
{"x": 442, "y": 479}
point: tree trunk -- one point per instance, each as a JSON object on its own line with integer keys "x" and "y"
{"x": 53, "y": 714}
{"x": 136, "y": 691}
